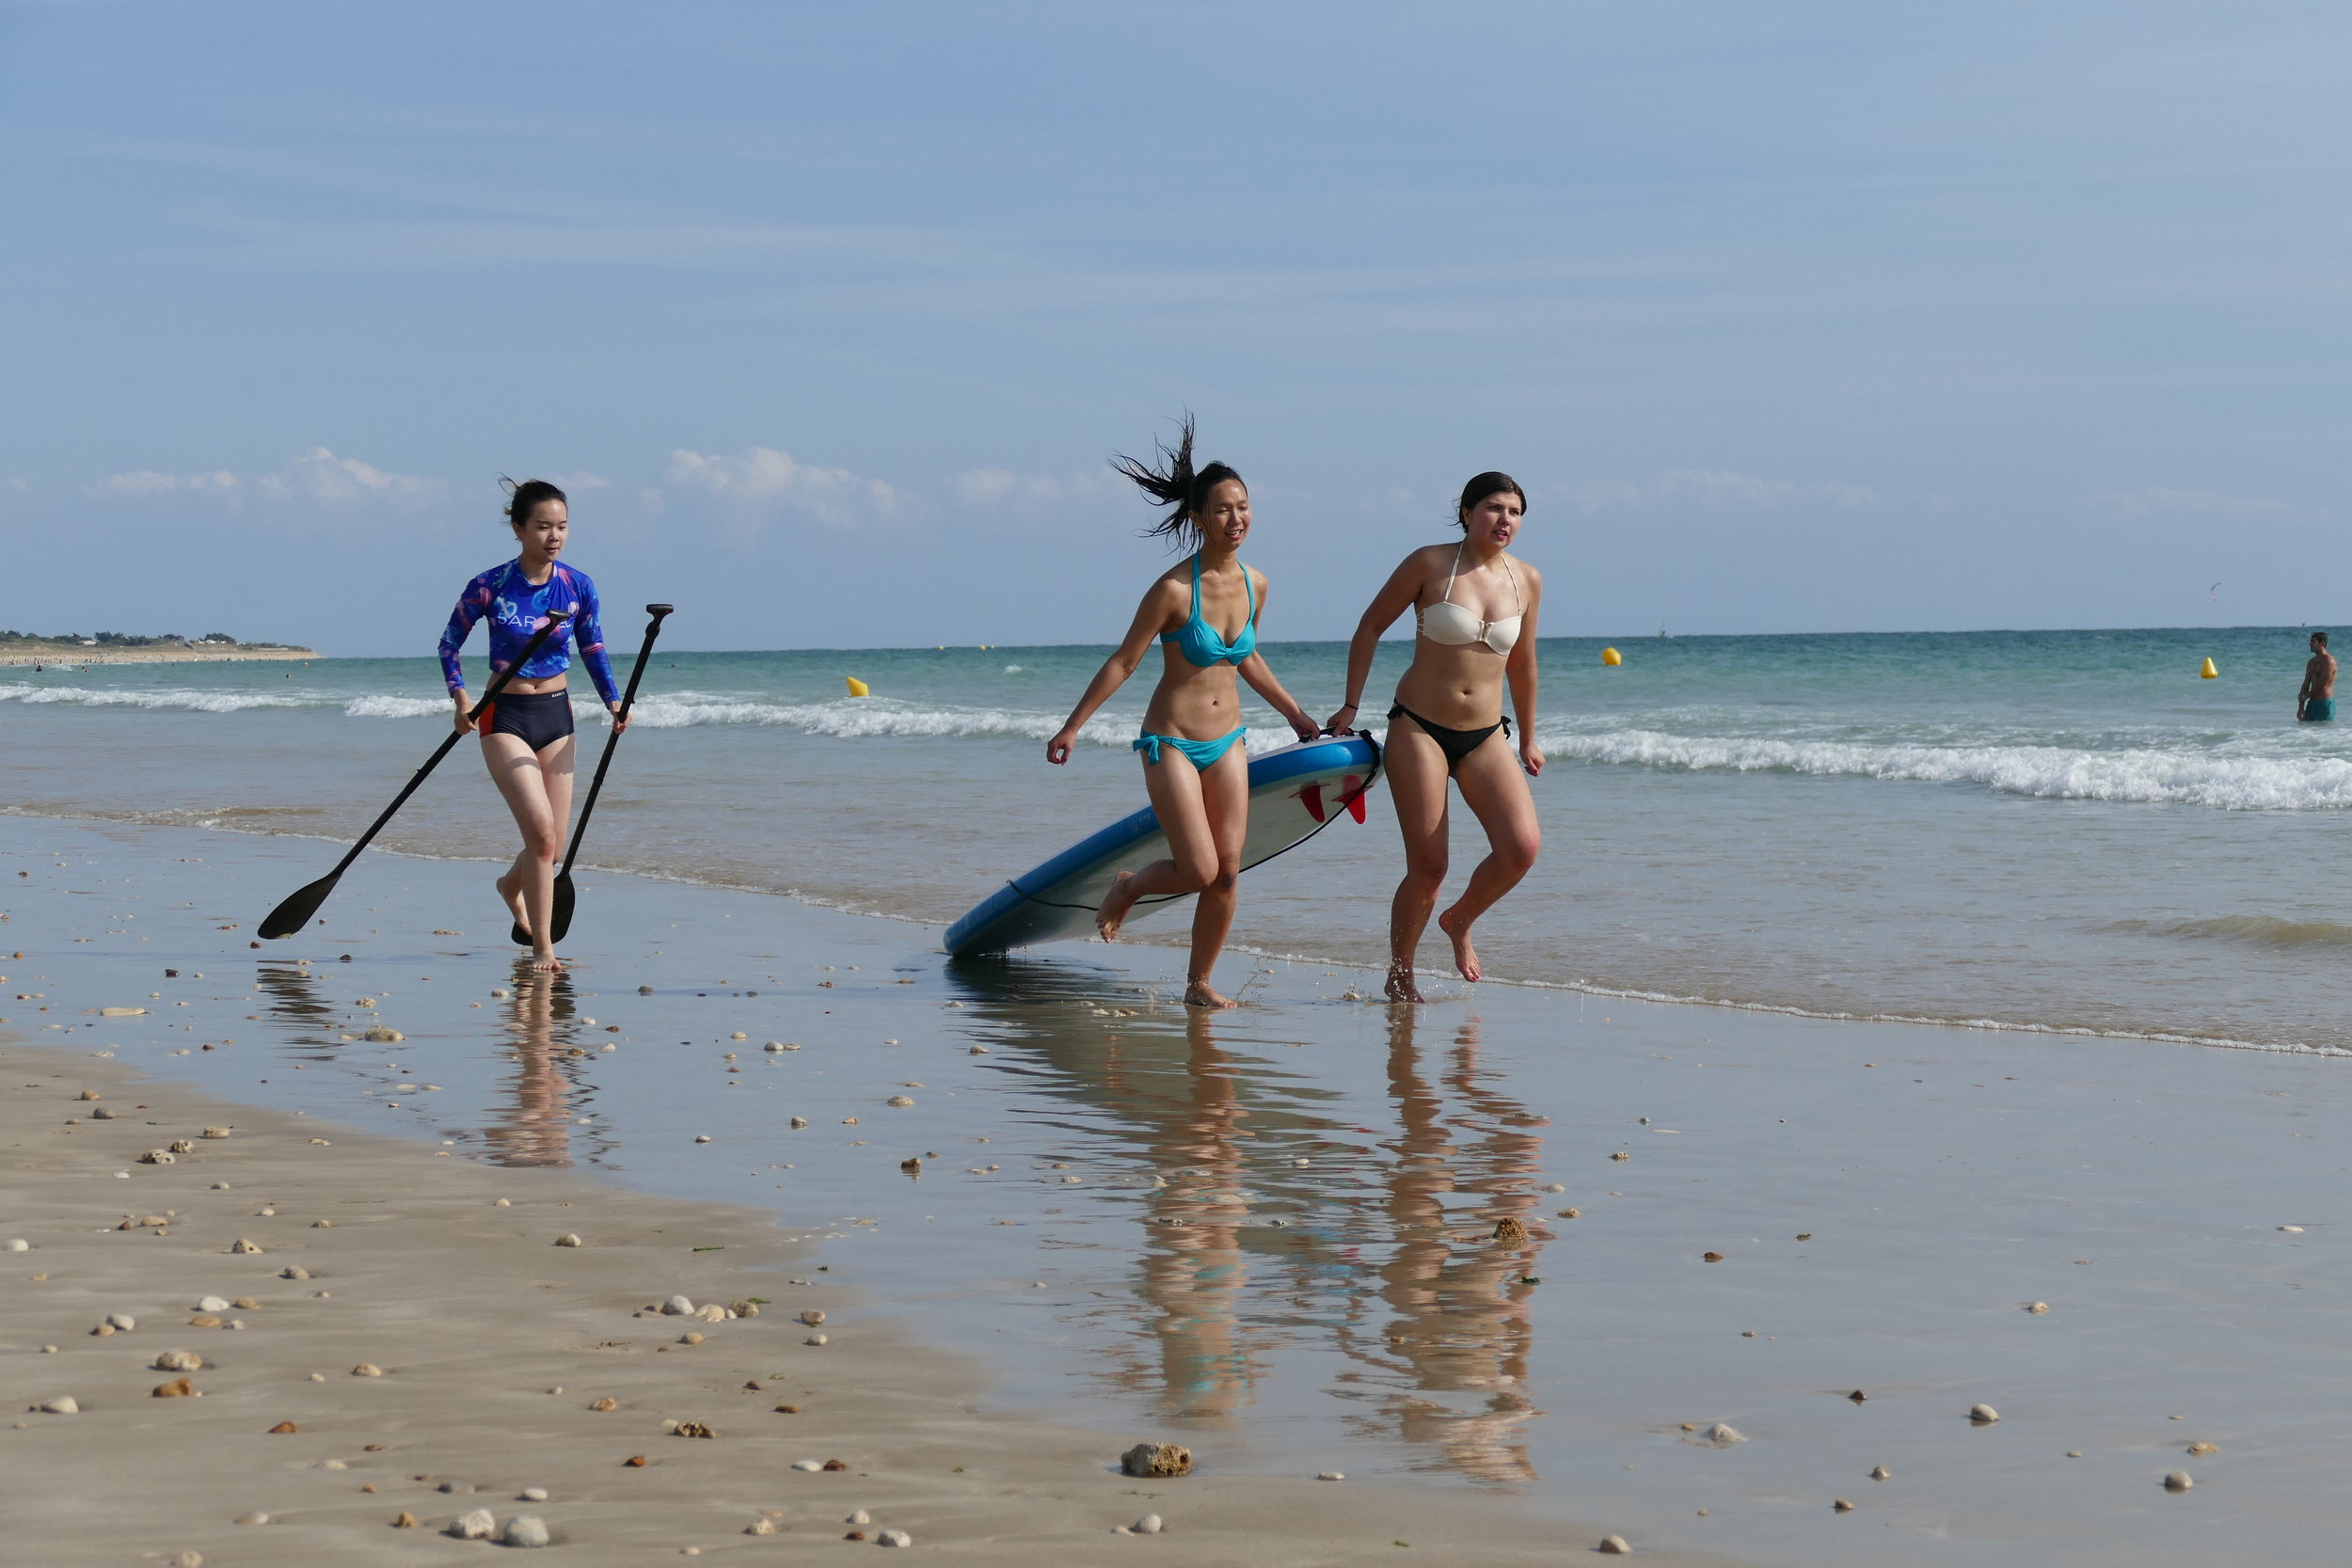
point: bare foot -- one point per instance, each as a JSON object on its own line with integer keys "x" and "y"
{"x": 547, "y": 963}
{"x": 1116, "y": 903}
{"x": 511, "y": 889}
{"x": 1401, "y": 986}
{"x": 1464, "y": 955}
{"x": 1198, "y": 994}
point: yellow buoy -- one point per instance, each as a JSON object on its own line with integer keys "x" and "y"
{"x": 2209, "y": 673}
{"x": 857, "y": 687}
{"x": 1611, "y": 655}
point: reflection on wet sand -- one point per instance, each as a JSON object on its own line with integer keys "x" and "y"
{"x": 539, "y": 1021}
{"x": 289, "y": 994}
{"x": 1267, "y": 1228}
{"x": 1194, "y": 1272}
{"x": 1460, "y": 1313}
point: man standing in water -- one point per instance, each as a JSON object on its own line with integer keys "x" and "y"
{"x": 2316, "y": 702}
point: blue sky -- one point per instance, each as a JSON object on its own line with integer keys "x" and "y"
{"x": 1791, "y": 317}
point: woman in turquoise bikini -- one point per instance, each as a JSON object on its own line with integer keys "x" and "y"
{"x": 1195, "y": 768}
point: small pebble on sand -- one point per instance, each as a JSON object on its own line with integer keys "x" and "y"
{"x": 1880, "y": 1472}
{"x": 1724, "y": 1436}
{"x": 1984, "y": 1415}
{"x": 253, "y": 1518}
{"x": 479, "y": 1525}
{"x": 64, "y": 1405}
{"x": 2202, "y": 1448}
{"x": 815, "y": 1340}
{"x": 702, "y": 1137}
{"x": 2036, "y": 1307}
{"x": 20, "y": 1245}
{"x": 893, "y": 1538}
{"x": 2292, "y": 1229}
{"x": 608, "y": 1403}
{"x": 1842, "y": 1506}
{"x": 860, "y": 1517}
{"x": 1614, "y": 1545}
{"x": 568, "y": 1240}
{"x": 760, "y": 1526}
{"x": 405, "y": 1521}
{"x": 811, "y": 1466}
{"x": 799, "y": 1121}
{"x": 1149, "y": 1525}
{"x": 1330, "y": 1475}
{"x": 679, "y": 1306}
{"x": 367, "y": 1368}
{"x": 525, "y": 1530}
{"x": 2178, "y": 1480}
{"x": 531, "y": 1495}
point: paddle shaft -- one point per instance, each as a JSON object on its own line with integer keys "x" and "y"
{"x": 489, "y": 696}
{"x": 628, "y": 699}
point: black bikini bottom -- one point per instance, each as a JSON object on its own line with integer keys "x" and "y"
{"x": 538, "y": 719}
{"x": 1455, "y": 744}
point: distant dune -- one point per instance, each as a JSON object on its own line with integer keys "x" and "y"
{"x": 159, "y": 653}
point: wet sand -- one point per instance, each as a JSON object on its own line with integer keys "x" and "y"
{"x": 493, "y": 1350}
{"x": 1268, "y": 1235}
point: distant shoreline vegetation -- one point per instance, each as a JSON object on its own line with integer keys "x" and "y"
{"x": 220, "y": 639}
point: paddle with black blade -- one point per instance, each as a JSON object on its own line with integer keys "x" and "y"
{"x": 299, "y": 906}
{"x": 559, "y": 918}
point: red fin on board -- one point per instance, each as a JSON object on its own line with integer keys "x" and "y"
{"x": 1311, "y": 796}
{"x": 1354, "y": 796}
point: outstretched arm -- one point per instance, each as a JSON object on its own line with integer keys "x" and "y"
{"x": 1395, "y": 597}
{"x": 1152, "y": 618}
{"x": 1520, "y": 672}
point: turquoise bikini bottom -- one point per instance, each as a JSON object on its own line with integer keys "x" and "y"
{"x": 1202, "y": 754}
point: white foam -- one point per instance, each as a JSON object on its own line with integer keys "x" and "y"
{"x": 397, "y": 707}
{"x": 2051, "y": 772}
{"x": 195, "y": 701}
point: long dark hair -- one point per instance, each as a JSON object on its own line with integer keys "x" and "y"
{"x": 1176, "y": 484}
{"x": 1492, "y": 482}
{"x": 524, "y": 499}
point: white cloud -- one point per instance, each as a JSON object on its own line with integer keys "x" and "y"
{"x": 581, "y": 481}
{"x": 761, "y": 479}
{"x": 2155, "y": 500}
{"x": 315, "y": 478}
{"x": 319, "y": 475}
{"x": 146, "y": 482}
{"x": 18, "y": 484}
{"x": 1718, "y": 490}
{"x": 998, "y": 487}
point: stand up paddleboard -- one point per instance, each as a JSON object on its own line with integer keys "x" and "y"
{"x": 1294, "y": 794}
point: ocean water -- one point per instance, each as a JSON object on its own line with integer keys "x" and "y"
{"x": 2059, "y": 830}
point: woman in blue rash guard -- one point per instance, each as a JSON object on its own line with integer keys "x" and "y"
{"x": 527, "y": 733}
{"x": 1205, "y": 611}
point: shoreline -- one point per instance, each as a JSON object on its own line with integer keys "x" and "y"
{"x": 1441, "y": 983}
{"x": 442, "y": 1352}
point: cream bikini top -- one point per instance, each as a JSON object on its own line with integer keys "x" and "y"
{"x": 1450, "y": 625}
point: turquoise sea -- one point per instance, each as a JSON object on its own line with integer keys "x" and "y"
{"x": 2063, "y": 830}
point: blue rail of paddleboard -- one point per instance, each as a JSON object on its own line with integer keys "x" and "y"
{"x": 1040, "y": 880}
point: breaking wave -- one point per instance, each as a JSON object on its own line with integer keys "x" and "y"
{"x": 2050, "y": 773}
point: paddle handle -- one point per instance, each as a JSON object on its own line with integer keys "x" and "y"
{"x": 628, "y": 699}
{"x": 489, "y": 694}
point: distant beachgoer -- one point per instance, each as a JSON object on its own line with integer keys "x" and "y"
{"x": 2316, "y": 702}
{"x": 1476, "y": 606}
{"x": 1195, "y": 768}
{"x": 527, "y": 733}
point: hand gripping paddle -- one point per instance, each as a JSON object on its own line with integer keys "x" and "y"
{"x": 295, "y": 912}
{"x": 560, "y": 917}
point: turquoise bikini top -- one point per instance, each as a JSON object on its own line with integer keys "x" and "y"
{"x": 1199, "y": 640}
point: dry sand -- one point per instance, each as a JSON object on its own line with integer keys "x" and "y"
{"x": 494, "y": 1345}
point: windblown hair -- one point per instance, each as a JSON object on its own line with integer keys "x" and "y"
{"x": 1176, "y": 484}
{"x": 1492, "y": 482}
{"x": 524, "y": 499}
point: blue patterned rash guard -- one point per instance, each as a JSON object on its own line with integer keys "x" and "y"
{"x": 516, "y": 608}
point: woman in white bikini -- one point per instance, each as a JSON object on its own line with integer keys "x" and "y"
{"x": 1476, "y": 606}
